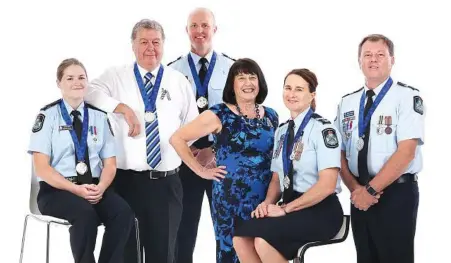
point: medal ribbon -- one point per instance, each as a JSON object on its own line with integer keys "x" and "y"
{"x": 287, "y": 162}
{"x": 149, "y": 100}
{"x": 202, "y": 88}
{"x": 364, "y": 123}
{"x": 80, "y": 145}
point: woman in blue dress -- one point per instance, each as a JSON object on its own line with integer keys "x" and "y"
{"x": 243, "y": 132}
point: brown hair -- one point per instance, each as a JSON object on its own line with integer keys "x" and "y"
{"x": 376, "y": 38}
{"x": 246, "y": 66}
{"x": 65, "y": 64}
{"x": 310, "y": 78}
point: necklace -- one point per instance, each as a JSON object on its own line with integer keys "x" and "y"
{"x": 248, "y": 121}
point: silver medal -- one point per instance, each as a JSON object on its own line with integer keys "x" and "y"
{"x": 81, "y": 168}
{"x": 202, "y": 102}
{"x": 380, "y": 130}
{"x": 149, "y": 116}
{"x": 360, "y": 144}
{"x": 286, "y": 182}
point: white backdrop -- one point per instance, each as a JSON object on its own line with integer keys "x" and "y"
{"x": 320, "y": 35}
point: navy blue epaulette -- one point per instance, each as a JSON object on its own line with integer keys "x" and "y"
{"x": 48, "y": 106}
{"x": 228, "y": 57}
{"x": 353, "y": 92}
{"x": 283, "y": 123}
{"x": 320, "y": 118}
{"x": 174, "y": 60}
{"x": 94, "y": 108}
{"x": 406, "y": 86}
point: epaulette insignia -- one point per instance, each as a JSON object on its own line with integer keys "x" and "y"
{"x": 174, "y": 60}
{"x": 406, "y": 86}
{"x": 94, "y": 108}
{"x": 48, "y": 106}
{"x": 320, "y": 119}
{"x": 283, "y": 123}
{"x": 353, "y": 92}
{"x": 228, "y": 57}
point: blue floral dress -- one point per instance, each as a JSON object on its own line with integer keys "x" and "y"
{"x": 244, "y": 146}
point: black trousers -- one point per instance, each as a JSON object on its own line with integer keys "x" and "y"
{"x": 157, "y": 204}
{"x": 84, "y": 218}
{"x": 193, "y": 196}
{"x": 385, "y": 232}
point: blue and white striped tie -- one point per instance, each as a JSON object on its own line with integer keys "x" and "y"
{"x": 152, "y": 135}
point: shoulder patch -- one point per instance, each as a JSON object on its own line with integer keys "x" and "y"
{"x": 228, "y": 57}
{"x": 94, "y": 108}
{"x": 38, "y": 123}
{"x": 320, "y": 118}
{"x": 174, "y": 60}
{"x": 406, "y": 86}
{"x": 418, "y": 104}
{"x": 48, "y": 106}
{"x": 353, "y": 92}
{"x": 330, "y": 138}
{"x": 109, "y": 125}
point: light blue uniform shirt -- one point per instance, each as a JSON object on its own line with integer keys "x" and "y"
{"x": 401, "y": 109}
{"x": 321, "y": 151}
{"x": 50, "y": 136}
{"x": 218, "y": 77}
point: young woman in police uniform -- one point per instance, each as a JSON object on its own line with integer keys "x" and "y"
{"x": 73, "y": 156}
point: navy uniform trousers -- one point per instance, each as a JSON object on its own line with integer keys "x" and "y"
{"x": 157, "y": 204}
{"x": 385, "y": 232}
{"x": 84, "y": 218}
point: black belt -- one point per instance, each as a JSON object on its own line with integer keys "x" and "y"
{"x": 73, "y": 179}
{"x": 157, "y": 174}
{"x": 408, "y": 177}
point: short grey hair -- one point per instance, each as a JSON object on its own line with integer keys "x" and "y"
{"x": 147, "y": 24}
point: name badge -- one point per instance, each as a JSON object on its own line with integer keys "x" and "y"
{"x": 65, "y": 128}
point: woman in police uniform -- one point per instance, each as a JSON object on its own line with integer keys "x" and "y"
{"x": 305, "y": 165}
{"x": 74, "y": 157}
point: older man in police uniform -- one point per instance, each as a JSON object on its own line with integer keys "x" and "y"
{"x": 149, "y": 102}
{"x": 382, "y": 126}
{"x": 207, "y": 71}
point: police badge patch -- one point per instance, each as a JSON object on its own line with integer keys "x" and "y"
{"x": 109, "y": 125}
{"x": 38, "y": 123}
{"x": 418, "y": 104}
{"x": 330, "y": 138}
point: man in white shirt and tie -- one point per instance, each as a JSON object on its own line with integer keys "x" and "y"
{"x": 147, "y": 103}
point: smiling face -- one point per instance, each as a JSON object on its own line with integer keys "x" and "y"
{"x": 201, "y": 29}
{"x": 148, "y": 48}
{"x": 296, "y": 94}
{"x": 73, "y": 83}
{"x": 375, "y": 61}
{"x": 246, "y": 87}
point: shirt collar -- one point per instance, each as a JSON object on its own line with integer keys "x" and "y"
{"x": 196, "y": 58}
{"x": 144, "y": 71}
{"x": 298, "y": 120}
{"x": 70, "y": 109}
{"x": 378, "y": 88}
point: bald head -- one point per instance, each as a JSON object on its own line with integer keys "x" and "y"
{"x": 201, "y": 28}
{"x": 201, "y": 11}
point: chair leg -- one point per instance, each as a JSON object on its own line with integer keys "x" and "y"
{"x": 23, "y": 237}
{"x": 47, "y": 251}
{"x": 138, "y": 243}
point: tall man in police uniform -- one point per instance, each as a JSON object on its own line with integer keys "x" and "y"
{"x": 149, "y": 102}
{"x": 207, "y": 71}
{"x": 382, "y": 126}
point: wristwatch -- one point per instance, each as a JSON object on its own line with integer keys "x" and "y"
{"x": 370, "y": 190}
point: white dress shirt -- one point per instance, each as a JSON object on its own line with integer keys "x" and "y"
{"x": 118, "y": 85}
